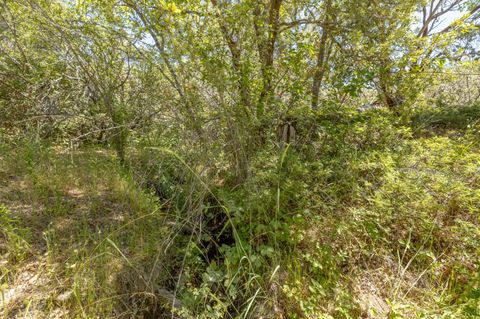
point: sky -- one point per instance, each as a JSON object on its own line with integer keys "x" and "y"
{"x": 447, "y": 19}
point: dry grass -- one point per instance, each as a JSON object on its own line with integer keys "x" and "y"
{"x": 79, "y": 210}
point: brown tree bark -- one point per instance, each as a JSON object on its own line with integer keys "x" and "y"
{"x": 322, "y": 57}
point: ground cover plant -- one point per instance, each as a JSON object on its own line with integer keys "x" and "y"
{"x": 239, "y": 159}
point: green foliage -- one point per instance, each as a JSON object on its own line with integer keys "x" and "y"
{"x": 15, "y": 239}
{"x": 244, "y": 159}
{"x": 444, "y": 118}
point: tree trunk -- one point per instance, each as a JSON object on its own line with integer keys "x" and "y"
{"x": 322, "y": 57}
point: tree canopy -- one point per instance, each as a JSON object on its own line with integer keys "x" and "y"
{"x": 240, "y": 158}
